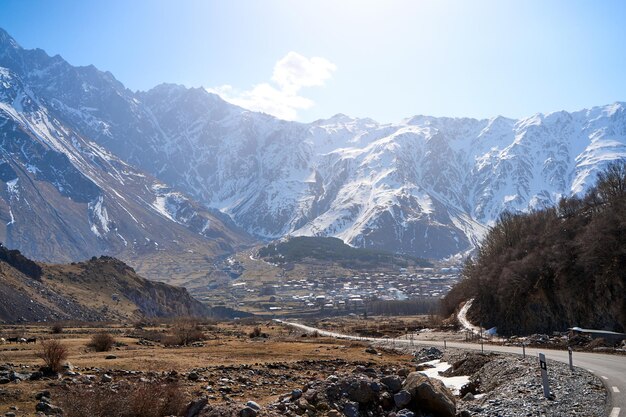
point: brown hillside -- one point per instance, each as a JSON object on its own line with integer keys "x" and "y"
{"x": 99, "y": 289}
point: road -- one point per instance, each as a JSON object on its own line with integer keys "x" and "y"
{"x": 610, "y": 368}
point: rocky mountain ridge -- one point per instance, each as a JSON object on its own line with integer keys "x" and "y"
{"x": 425, "y": 186}
{"x": 96, "y": 290}
{"x": 64, "y": 197}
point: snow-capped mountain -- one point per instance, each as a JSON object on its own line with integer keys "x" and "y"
{"x": 425, "y": 186}
{"x": 63, "y": 197}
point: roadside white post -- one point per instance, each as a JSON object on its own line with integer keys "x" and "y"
{"x": 544, "y": 375}
{"x": 571, "y": 362}
{"x": 482, "y": 348}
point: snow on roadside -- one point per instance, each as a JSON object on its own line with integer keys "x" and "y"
{"x": 454, "y": 383}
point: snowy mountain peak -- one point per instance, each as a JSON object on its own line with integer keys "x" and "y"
{"x": 428, "y": 186}
{"x": 7, "y": 42}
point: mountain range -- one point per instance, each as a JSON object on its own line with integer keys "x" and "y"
{"x": 90, "y": 167}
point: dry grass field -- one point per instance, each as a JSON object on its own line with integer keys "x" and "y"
{"x": 227, "y": 365}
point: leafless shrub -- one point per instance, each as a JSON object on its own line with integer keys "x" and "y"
{"x": 150, "y": 400}
{"x": 53, "y": 353}
{"x": 184, "y": 332}
{"x": 434, "y": 320}
{"x": 57, "y": 328}
{"x": 256, "y": 332}
{"x": 129, "y": 400}
{"x": 101, "y": 342}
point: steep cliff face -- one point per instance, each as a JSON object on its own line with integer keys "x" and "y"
{"x": 99, "y": 289}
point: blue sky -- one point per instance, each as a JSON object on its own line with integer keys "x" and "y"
{"x": 386, "y": 59}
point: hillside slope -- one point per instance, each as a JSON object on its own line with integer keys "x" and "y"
{"x": 332, "y": 250}
{"x": 99, "y": 289}
{"x": 63, "y": 197}
{"x": 555, "y": 268}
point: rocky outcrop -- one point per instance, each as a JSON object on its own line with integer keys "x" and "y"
{"x": 429, "y": 395}
{"x": 20, "y": 262}
{"x": 365, "y": 393}
{"x": 99, "y": 289}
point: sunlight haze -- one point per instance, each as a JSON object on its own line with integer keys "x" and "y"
{"x": 382, "y": 59}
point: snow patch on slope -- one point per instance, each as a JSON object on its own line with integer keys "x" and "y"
{"x": 98, "y": 217}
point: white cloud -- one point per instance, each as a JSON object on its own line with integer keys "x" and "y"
{"x": 283, "y": 99}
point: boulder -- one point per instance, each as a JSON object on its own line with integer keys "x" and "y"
{"x": 468, "y": 397}
{"x": 254, "y": 405}
{"x": 42, "y": 394}
{"x": 248, "y": 412}
{"x": 360, "y": 390}
{"x": 428, "y": 354}
{"x": 429, "y": 395}
{"x": 402, "y": 398}
{"x": 194, "y": 408}
{"x": 295, "y": 394}
{"x": 16, "y": 376}
{"x": 351, "y": 410}
{"x": 48, "y": 408}
{"x": 392, "y": 382}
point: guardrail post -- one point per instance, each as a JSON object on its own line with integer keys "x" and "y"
{"x": 571, "y": 362}
{"x": 482, "y": 348}
{"x": 544, "y": 376}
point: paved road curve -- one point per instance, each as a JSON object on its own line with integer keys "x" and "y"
{"x": 610, "y": 368}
